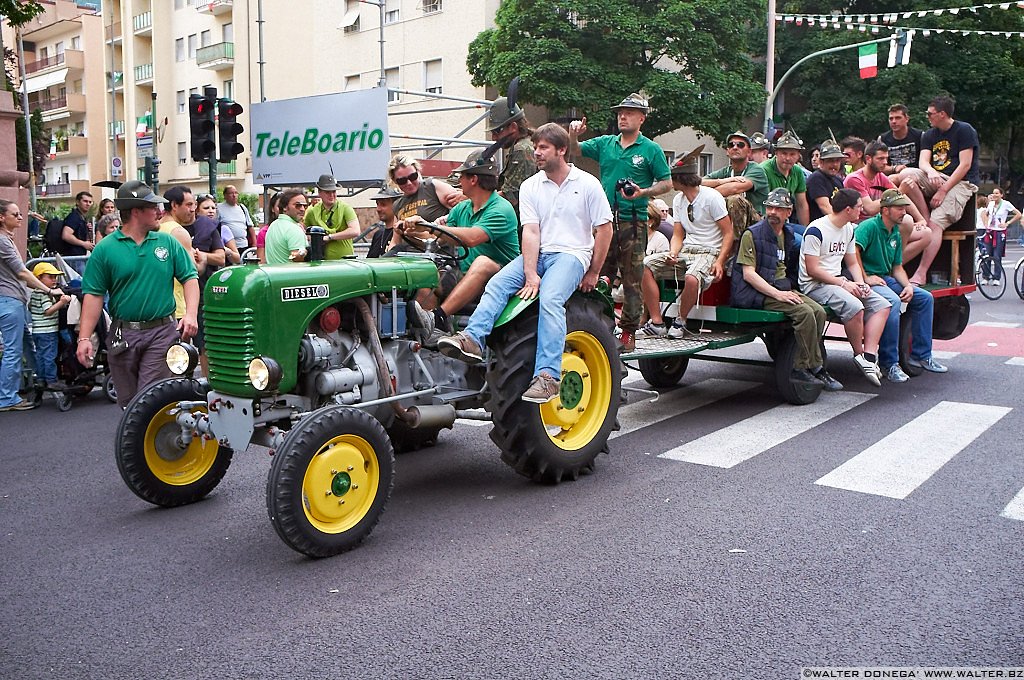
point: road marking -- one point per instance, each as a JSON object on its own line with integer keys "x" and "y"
{"x": 996, "y": 324}
{"x": 1015, "y": 508}
{"x": 1015, "y": 361}
{"x": 641, "y": 414}
{"x": 903, "y": 460}
{"x": 740, "y": 441}
{"x": 940, "y": 354}
{"x": 473, "y": 422}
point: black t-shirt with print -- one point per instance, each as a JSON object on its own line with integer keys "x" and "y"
{"x": 906, "y": 151}
{"x": 946, "y": 147}
{"x": 821, "y": 184}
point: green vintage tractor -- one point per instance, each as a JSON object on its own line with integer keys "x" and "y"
{"x": 318, "y": 363}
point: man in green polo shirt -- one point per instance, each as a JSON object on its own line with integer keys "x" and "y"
{"x": 780, "y": 172}
{"x": 137, "y": 266}
{"x": 881, "y": 252}
{"x": 641, "y": 163}
{"x": 488, "y": 226}
{"x": 742, "y": 182}
{"x": 336, "y": 217}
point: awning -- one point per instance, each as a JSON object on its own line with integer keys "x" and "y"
{"x": 350, "y": 18}
{"x": 46, "y": 80}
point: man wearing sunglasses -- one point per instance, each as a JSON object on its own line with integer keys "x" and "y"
{"x": 742, "y": 183}
{"x": 336, "y": 217}
{"x": 286, "y": 239}
{"x": 421, "y": 197}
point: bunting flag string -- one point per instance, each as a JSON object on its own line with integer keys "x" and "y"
{"x": 849, "y": 24}
{"x": 892, "y": 17}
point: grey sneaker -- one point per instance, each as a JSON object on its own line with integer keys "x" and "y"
{"x": 831, "y": 384}
{"x": 435, "y": 337}
{"x": 424, "y": 319}
{"x": 679, "y": 330}
{"x": 462, "y": 347}
{"x": 543, "y": 388}
{"x": 895, "y": 374}
{"x": 869, "y": 370}
{"x": 654, "y": 330}
{"x": 928, "y": 364}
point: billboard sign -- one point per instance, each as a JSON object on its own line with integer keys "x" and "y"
{"x": 294, "y": 141}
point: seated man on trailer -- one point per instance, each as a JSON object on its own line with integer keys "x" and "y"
{"x": 487, "y": 225}
{"x": 881, "y": 251}
{"x": 765, "y": 277}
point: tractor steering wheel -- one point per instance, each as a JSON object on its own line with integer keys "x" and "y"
{"x": 432, "y": 247}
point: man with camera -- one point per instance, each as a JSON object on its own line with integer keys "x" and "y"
{"x": 633, "y": 169}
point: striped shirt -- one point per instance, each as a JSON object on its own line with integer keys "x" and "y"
{"x": 42, "y": 322}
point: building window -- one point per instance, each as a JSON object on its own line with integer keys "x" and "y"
{"x": 351, "y": 83}
{"x": 59, "y": 48}
{"x": 205, "y": 39}
{"x": 706, "y": 161}
{"x": 76, "y": 43}
{"x": 228, "y": 31}
{"x": 229, "y": 89}
{"x": 391, "y": 79}
{"x": 182, "y": 153}
{"x": 192, "y": 91}
{"x": 179, "y": 4}
{"x": 391, "y": 11}
{"x": 78, "y": 87}
{"x": 350, "y": 22}
{"x": 431, "y": 6}
{"x": 193, "y": 43}
{"x": 432, "y": 76}
{"x": 179, "y": 49}
{"x": 182, "y": 101}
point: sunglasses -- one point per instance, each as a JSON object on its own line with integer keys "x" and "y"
{"x": 689, "y": 213}
{"x": 736, "y": 145}
{"x": 405, "y": 180}
{"x": 301, "y": 206}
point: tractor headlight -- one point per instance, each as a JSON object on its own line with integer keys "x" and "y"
{"x": 264, "y": 373}
{"x": 182, "y": 358}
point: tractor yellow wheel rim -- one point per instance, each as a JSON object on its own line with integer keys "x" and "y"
{"x": 340, "y": 484}
{"x": 576, "y": 416}
{"x": 168, "y": 460}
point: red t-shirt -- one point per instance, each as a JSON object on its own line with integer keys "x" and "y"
{"x": 873, "y": 190}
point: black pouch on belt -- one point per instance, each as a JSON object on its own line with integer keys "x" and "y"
{"x": 118, "y": 345}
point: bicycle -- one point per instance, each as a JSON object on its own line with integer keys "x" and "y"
{"x": 1018, "y": 278}
{"x": 989, "y": 274}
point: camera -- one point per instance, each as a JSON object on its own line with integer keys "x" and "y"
{"x": 626, "y": 186}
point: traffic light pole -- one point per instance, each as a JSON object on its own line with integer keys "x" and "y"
{"x": 155, "y": 161}
{"x": 211, "y": 158}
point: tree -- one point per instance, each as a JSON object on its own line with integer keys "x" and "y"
{"x": 981, "y": 72}
{"x": 40, "y": 143}
{"x": 19, "y": 12}
{"x": 583, "y": 56}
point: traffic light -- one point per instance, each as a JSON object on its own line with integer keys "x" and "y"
{"x": 151, "y": 171}
{"x": 201, "y": 124}
{"x": 229, "y": 128}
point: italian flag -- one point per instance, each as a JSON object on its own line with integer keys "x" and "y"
{"x": 868, "y": 57}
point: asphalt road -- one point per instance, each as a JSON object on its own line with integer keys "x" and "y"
{"x": 886, "y": 530}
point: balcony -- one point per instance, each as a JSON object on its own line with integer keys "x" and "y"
{"x": 115, "y": 81}
{"x": 143, "y": 74}
{"x": 115, "y": 128}
{"x": 142, "y": 24}
{"x": 63, "y": 190}
{"x": 55, "y": 108}
{"x": 75, "y": 145}
{"x": 113, "y": 33}
{"x": 69, "y": 59}
{"x": 216, "y": 57}
{"x": 228, "y": 169}
{"x": 214, "y": 7}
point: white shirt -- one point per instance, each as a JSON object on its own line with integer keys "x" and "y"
{"x": 828, "y": 242}
{"x": 708, "y": 207}
{"x": 236, "y": 219}
{"x": 656, "y": 242}
{"x": 566, "y": 214}
{"x": 999, "y": 214}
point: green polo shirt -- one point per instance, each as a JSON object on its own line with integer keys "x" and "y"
{"x": 498, "y": 218}
{"x": 796, "y": 182}
{"x": 881, "y": 249}
{"x": 643, "y": 161}
{"x": 283, "y": 236}
{"x": 755, "y": 173}
{"x": 138, "y": 276}
{"x": 334, "y": 220}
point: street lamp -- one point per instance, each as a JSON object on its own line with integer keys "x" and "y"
{"x": 380, "y": 5}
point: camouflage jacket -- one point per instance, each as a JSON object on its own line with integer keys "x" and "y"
{"x": 519, "y": 164}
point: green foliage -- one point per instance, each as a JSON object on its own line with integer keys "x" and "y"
{"x": 19, "y": 12}
{"x": 982, "y": 73}
{"x": 579, "y": 57}
{"x": 250, "y": 201}
{"x": 40, "y": 142}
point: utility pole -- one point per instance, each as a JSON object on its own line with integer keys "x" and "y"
{"x": 28, "y": 123}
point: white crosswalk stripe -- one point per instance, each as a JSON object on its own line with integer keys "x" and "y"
{"x": 1015, "y": 508}
{"x": 639, "y": 415}
{"x": 730, "y": 446}
{"x": 1015, "y": 361}
{"x": 906, "y": 458}
{"x": 996, "y": 324}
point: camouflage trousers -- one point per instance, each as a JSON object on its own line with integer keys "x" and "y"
{"x": 743, "y": 215}
{"x": 625, "y": 260}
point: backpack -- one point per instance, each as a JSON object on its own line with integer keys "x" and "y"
{"x": 53, "y": 237}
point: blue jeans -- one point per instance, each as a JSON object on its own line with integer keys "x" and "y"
{"x": 46, "y": 355}
{"x": 560, "y": 276}
{"x": 798, "y": 232}
{"x": 13, "y": 314}
{"x": 920, "y": 310}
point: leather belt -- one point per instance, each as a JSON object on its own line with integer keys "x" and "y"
{"x": 145, "y": 325}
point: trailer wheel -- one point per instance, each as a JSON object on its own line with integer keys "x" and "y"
{"x": 663, "y": 371}
{"x": 560, "y": 439}
{"x": 330, "y": 481}
{"x": 793, "y": 391}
